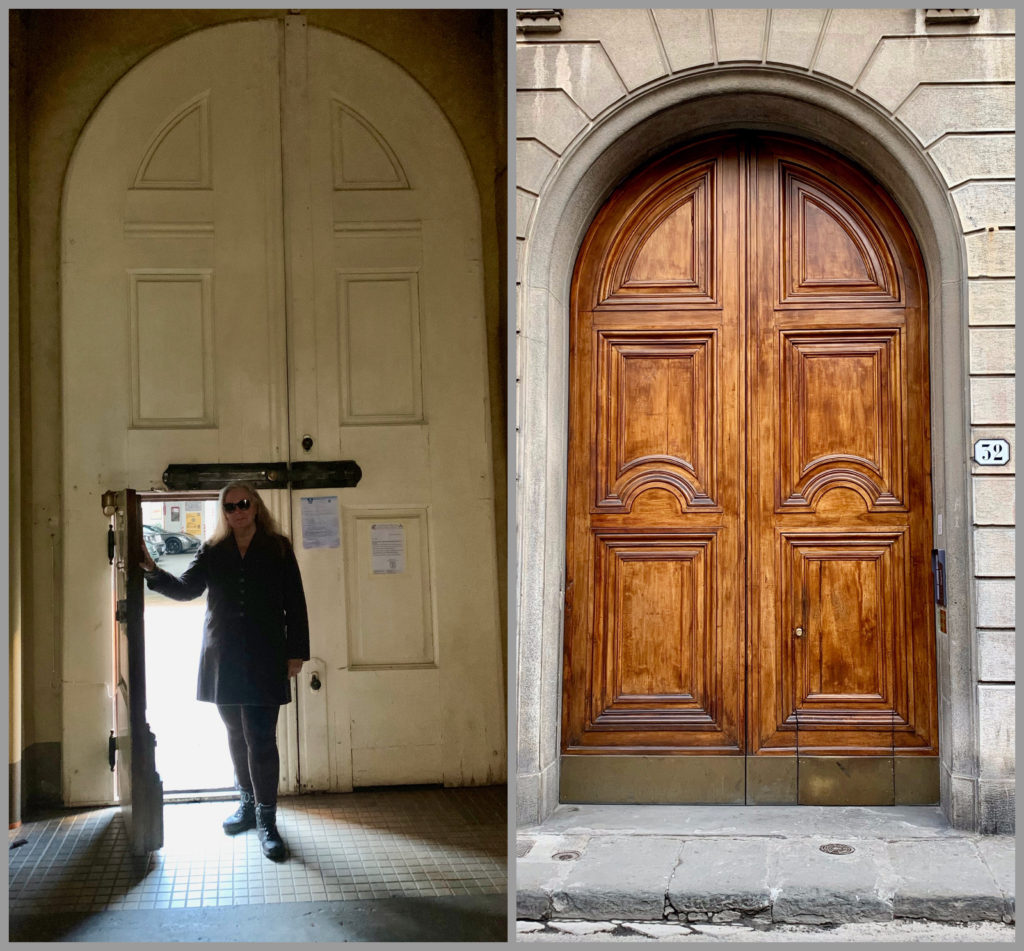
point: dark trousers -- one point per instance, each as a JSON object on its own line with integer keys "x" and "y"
{"x": 252, "y": 741}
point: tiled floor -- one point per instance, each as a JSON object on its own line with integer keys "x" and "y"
{"x": 372, "y": 844}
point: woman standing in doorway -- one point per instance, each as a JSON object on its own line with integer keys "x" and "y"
{"x": 255, "y": 637}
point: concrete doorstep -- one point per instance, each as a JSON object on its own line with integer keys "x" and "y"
{"x": 708, "y": 875}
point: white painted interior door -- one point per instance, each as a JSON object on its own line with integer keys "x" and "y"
{"x": 180, "y": 344}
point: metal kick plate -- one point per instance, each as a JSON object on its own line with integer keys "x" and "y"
{"x": 750, "y": 780}
{"x": 652, "y": 779}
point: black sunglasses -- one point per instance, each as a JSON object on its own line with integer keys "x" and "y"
{"x": 242, "y": 505}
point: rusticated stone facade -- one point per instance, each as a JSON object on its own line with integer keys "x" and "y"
{"x": 924, "y": 99}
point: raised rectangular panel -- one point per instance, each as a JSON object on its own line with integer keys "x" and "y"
{"x": 370, "y": 245}
{"x": 383, "y": 703}
{"x": 397, "y": 727}
{"x": 182, "y": 213}
{"x": 847, "y": 593}
{"x": 655, "y": 653}
{"x": 840, "y": 416}
{"x": 656, "y": 413}
{"x": 379, "y": 343}
{"x": 171, "y": 349}
{"x": 390, "y": 616}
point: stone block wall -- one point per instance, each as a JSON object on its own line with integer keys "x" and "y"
{"x": 943, "y": 80}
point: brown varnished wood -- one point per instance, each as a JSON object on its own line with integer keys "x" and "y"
{"x": 839, "y": 486}
{"x": 748, "y": 454}
{"x": 655, "y": 608}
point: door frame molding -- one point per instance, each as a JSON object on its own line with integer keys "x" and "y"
{"x": 627, "y": 137}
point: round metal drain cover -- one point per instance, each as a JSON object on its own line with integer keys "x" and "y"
{"x": 566, "y": 856}
{"x": 836, "y": 848}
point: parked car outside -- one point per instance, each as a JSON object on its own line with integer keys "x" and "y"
{"x": 175, "y": 542}
{"x": 153, "y": 543}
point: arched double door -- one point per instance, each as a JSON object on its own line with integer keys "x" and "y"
{"x": 749, "y": 610}
{"x": 271, "y": 257}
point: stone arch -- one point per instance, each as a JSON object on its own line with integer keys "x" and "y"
{"x": 626, "y": 136}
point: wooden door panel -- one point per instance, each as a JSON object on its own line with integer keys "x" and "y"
{"x": 654, "y": 607}
{"x": 748, "y": 455}
{"x": 667, "y": 246}
{"x": 655, "y": 405}
{"x": 835, "y": 253}
{"x": 840, "y": 501}
{"x": 840, "y": 409}
{"x": 846, "y": 595}
{"x": 655, "y": 653}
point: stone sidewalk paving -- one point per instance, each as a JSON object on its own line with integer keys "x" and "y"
{"x": 725, "y": 864}
{"x": 899, "y": 930}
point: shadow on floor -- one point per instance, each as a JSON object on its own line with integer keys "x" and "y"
{"x": 449, "y": 918}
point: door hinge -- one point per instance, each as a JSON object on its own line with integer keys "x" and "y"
{"x": 112, "y": 750}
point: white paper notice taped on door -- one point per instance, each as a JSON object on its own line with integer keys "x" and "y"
{"x": 320, "y": 521}
{"x": 387, "y": 548}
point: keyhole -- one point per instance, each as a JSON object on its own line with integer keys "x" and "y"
{"x": 307, "y": 442}
{"x": 314, "y": 682}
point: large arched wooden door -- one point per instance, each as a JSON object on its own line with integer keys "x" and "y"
{"x": 748, "y": 602}
{"x": 271, "y": 253}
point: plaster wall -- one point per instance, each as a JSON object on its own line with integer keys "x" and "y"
{"x": 68, "y": 61}
{"x": 928, "y": 109}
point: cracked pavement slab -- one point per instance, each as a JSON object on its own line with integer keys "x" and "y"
{"x": 712, "y": 866}
{"x": 900, "y": 930}
{"x": 617, "y": 877}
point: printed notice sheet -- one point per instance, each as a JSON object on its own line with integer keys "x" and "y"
{"x": 387, "y": 548}
{"x": 320, "y": 521}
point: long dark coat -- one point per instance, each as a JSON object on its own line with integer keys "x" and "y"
{"x": 255, "y": 618}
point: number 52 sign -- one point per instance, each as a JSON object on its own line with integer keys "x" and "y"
{"x": 991, "y": 452}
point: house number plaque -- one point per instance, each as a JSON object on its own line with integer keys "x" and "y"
{"x": 991, "y": 452}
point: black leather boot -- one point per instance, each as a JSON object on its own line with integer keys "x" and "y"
{"x": 244, "y": 817}
{"x": 266, "y": 829}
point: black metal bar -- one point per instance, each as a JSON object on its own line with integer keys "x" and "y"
{"x": 215, "y": 475}
{"x": 341, "y": 474}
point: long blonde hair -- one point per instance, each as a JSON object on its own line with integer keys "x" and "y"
{"x": 265, "y": 522}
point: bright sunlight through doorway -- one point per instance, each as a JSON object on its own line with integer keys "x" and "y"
{"x": 191, "y": 745}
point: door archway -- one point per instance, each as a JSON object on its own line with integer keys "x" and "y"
{"x": 271, "y": 252}
{"x": 749, "y": 500}
{"x": 590, "y": 168}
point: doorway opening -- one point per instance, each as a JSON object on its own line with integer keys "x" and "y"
{"x": 192, "y": 753}
{"x": 749, "y": 500}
